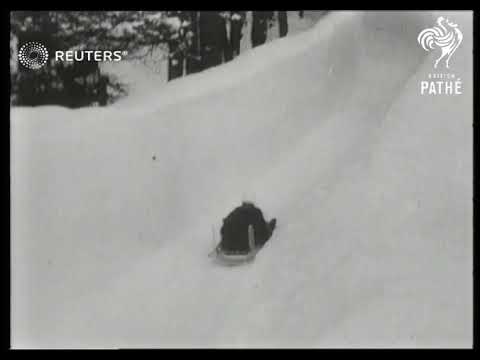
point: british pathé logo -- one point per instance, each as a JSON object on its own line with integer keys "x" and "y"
{"x": 441, "y": 84}
{"x": 446, "y": 36}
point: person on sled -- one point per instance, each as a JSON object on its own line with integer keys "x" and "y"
{"x": 235, "y": 237}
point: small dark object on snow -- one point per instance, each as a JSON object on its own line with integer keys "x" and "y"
{"x": 154, "y": 157}
{"x": 234, "y": 231}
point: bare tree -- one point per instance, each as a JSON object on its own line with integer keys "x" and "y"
{"x": 283, "y": 23}
{"x": 213, "y": 38}
{"x": 237, "y": 20}
{"x": 260, "y": 27}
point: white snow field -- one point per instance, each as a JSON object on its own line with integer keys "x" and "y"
{"x": 326, "y": 130}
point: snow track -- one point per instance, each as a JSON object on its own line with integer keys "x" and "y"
{"x": 326, "y": 131}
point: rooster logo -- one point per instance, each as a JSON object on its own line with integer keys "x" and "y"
{"x": 446, "y": 36}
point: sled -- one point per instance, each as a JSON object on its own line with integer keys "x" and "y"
{"x": 233, "y": 259}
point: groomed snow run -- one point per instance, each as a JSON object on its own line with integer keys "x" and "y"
{"x": 326, "y": 130}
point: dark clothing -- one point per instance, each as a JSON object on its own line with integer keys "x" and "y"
{"x": 234, "y": 231}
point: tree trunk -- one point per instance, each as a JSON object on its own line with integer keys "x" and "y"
{"x": 194, "y": 60}
{"x": 175, "y": 61}
{"x": 227, "y": 46}
{"x": 259, "y": 28}
{"x": 176, "y": 49}
{"x": 283, "y": 23}
{"x": 212, "y": 38}
{"x": 236, "y": 26}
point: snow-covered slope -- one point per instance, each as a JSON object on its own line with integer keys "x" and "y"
{"x": 326, "y": 131}
{"x": 148, "y": 75}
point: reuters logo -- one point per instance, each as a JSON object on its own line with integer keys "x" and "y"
{"x": 33, "y": 55}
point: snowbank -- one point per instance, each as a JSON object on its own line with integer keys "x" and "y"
{"x": 325, "y": 130}
{"x": 145, "y": 77}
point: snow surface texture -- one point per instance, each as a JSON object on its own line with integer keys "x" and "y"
{"x": 371, "y": 184}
